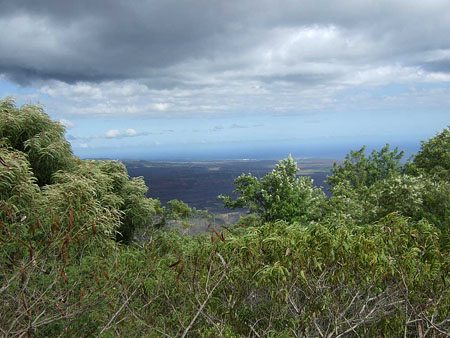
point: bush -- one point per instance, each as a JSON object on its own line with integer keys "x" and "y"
{"x": 361, "y": 171}
{"x": 177, "y": 209}
{"x": 433, "y": 157}
{"x": 279, "y": 195}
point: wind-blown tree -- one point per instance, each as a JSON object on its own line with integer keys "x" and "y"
{"x": 44, "y": 235}
{"x": 30, "y": 132}
{"x": 365, "y": 189}
{"x": 59, "y": 216}
{"x": 432, "y": 163}
{"x": 279, "y": 195}
{"x": 136, "y": 209}
{"x": 433, "y": 157}
{"x": 418, "y": 197}
{"x": 353, "y": 180}
{"x": 28, "y": 129}
{"x": 361, "y": 171}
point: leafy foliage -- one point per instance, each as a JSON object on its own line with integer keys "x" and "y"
{"x": 278, "y": 279}
{"x": 434, "y": 156}
{"x": 371, "y": 260}
{"x": 177, "y": 209}
{"x": 365, "y": 189}
{"x": 30, "y": 130}
{"x": 279, "y": 195}
{"x": 361, "y": 171}
{"x": 136, "y": 209}
{"x": 98, "y": 191}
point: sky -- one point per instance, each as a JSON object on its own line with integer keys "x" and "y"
{"x": 216, "y": 79}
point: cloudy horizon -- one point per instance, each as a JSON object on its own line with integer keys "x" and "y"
{"x": 167, "y": 79}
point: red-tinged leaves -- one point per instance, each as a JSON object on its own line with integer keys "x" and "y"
{"x": 81, "y": 294}
{"x": 55, "y": 226}
{"x": 71, "y": 219}
{"x": 34, "y": 226}
{"x": 65, "y": 248}
{"x": 217, "y": 233}
{"x": 31, "y": 252}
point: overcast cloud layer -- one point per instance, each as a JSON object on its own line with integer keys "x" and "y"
{"x": 210, "y": 58}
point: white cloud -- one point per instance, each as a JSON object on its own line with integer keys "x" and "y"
{"x": 288, "y": 59}
{"x": 113, "y": 133}
{"x": 67, "y": 123}
{"x": 130, "y": 132}
{"x": 161, "y": 106}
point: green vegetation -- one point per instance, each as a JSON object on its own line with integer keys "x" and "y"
{"x": 280, "y": 195}
{"x": 360, "y": 171}
{"x": 371, "y": 260}
{"x": 177, "y": 209}
{"x": 434, "y": 157}
{"x": 29, "y": 130}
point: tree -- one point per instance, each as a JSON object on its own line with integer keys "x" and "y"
{"x": 59, "y": 216}
{"x": 279, "y": 195}
{"x": 29, "y": 130}
{"x": 137, "y": 210}
{"x": 353, "y": 180}
{"x": 417, "y": 197}
{"x": 31, "y": 134}
{"x": 360, "y": 170}
{"x": 365, "y": 189}
{"x": 433, "y": 157}
{"x": 177, "y": 209}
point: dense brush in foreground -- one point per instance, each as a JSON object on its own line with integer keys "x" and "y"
{"x": 372, "y": 260}
{"x": 278, "y": 279}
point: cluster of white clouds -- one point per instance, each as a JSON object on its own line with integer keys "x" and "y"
{"x": 131, "y": 132}
{"x": 85, "y": 142}
{"x": 115, "y": 133}
{"x": 160, "y": 58}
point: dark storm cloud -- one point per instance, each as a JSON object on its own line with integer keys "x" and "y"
{"x": 89, "y": 40}
{"x": 168, "y": 44}
{"x": 26, "y": 75}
